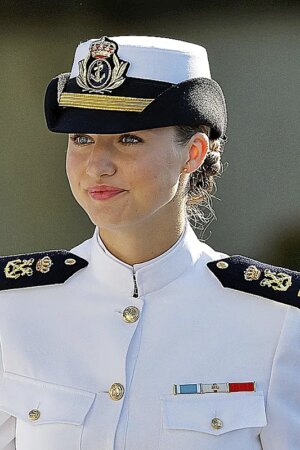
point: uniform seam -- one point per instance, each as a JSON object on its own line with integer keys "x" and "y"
{"x": 79, "y": 391}
{"x": 275, "y": 353}
{"x": 141, "y": 323}
{"x": 81, "y": 434}
{"x": 2, "y": 367}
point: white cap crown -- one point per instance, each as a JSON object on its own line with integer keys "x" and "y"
{"x": 155, "y": 58}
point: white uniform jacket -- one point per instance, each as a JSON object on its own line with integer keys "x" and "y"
{"x": 64, "y": 346}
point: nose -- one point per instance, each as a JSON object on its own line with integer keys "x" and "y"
{"x": 100, "y": 162}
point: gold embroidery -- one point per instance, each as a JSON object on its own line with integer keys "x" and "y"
{"x": 44, "y": 265}
{"x": 252, "y": 273}
{"x": 61, "y": 82}
{"x": 99, "y": 73}
{"x": 101, "y": 70}
{"x": 277, "y": 281}
{"x": 104, "y": 102}
{"x": 17, "y": 268}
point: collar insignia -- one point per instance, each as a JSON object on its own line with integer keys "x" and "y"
{"x": 102, "y": 70}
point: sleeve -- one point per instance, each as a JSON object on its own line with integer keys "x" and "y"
{"x": 283, "y": 400}
{"x": 7, "y": 423}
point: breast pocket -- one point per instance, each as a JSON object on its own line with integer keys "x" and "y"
{"x": 212, "y": 421}
{"x": 48, "y": 416}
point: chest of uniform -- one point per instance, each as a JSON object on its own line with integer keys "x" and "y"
{"x": 74, "y": 339}
{"x": 65, "y": 357}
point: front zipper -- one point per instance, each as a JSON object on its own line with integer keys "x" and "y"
{"x": 135, "y": 287}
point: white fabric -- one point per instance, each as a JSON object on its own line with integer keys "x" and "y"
{"x": 155, "y": 58}
{"x": 63, "y": 346}
{"x": 140, "y": 265}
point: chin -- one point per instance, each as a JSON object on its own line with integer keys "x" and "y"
{"x": 112, "y": 222}
{"x": 126, "y": 217}
{"x": 104, "y": 221}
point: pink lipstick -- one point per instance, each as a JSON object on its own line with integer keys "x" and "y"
{"x": 104, "y": 192}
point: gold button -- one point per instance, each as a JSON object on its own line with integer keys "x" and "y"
{"x": 70, "y": 261}
{"x": 216, "y": 423}
{"x": 34, "y": 414}
{"x": 222, "y": 265}
{"x": 116, "y": 391}
{"x": 131, "y": 314}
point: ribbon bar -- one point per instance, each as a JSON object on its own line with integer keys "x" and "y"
{"x": 200, "y": 388}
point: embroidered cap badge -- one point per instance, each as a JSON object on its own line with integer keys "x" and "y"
{"x": 102, "y": 70}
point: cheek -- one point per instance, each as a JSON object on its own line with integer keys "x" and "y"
{"x": 69, "y": 173}
{"x": 73, "y": 170}
{"x": 72, "y": 167}
{"x": 157, "y": 179}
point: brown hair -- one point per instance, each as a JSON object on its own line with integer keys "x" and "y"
{"x": 201, "y": 184}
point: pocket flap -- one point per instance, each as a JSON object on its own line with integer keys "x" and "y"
{"x": 56, "y": 404}
{"x": 196, "y": 412}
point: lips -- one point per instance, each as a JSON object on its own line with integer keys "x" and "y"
{"x": 104, "y": 188}
{"x": 104, "y": 192}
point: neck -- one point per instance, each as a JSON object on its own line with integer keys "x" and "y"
{"x": 144, "y": 241}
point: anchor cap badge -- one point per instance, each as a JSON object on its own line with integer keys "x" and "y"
{"x": 102, "y": 70}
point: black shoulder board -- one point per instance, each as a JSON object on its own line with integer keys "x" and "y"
{"x": 38, "y": 269}
{"x": 247, "y": 275}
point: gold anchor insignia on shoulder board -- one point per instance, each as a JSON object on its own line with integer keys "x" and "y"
{"x": 38, "y": 269}
{"x": 277, "y": 281}
{"x": 17, "y": 268}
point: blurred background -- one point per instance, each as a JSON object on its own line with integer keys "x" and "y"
{"x": 253, "y": 48}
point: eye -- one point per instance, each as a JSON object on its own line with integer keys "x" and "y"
{"x": 81, "y": 139}
{"x": 129, "y": 139}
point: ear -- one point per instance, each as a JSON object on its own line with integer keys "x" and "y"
{"x": 197, "y": 148}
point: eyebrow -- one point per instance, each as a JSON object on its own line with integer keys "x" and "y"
{"x": 138, "y": 132}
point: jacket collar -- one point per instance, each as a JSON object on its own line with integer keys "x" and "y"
{"x": 150, "y": 276}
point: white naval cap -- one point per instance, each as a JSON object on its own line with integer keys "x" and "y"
{"x": 155, "y": 58}
{"x": 128, "y": 83}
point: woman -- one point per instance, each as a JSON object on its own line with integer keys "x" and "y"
{"x": 143, "y": 348}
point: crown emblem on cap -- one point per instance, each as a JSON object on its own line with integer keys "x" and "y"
{"x": 103, "y": 48}
{"x": 102, "y": 70}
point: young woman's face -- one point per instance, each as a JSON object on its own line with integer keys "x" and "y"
{"x": 125, "y": 179}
